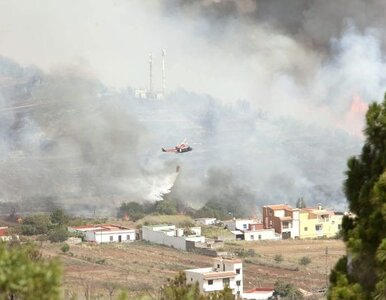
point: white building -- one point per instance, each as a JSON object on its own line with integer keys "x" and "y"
{"x": 171, "y": 236}
{"x": 261, "y": 234}
{"x": 238, "y": 224}
{"x": 250, "y": 230}
{"x": 225, "y": 272}
{"x": 205, "y": 221}
{"x": 258, "y": 294}
{"x": 105, "y": 233}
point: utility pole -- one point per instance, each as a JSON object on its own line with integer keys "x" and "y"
{"x": 163, "y": 73}
{"x": 151, "y": 75}
{"x": 326, "y": 267}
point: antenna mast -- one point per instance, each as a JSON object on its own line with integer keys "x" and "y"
{"x": 163, "y": 72}
{"x": 151, "y": 74}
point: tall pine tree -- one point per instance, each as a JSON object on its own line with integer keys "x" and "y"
{"x": 362, "y": 273}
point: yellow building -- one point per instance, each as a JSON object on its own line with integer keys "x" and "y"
{"x": 319, "y": 222}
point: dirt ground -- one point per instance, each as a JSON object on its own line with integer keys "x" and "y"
{"x": 264, "y": 270}
{"x": 142, "y": 268}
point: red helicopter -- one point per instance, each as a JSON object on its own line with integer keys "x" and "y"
{"x": 181, "y": 148}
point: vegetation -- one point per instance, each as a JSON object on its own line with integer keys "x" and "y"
{"x": 25, "y": 275}
{"x": 214, "y": 232}
{"x": 362, "y": 273}
{"x": 59, "y": 217}
{"x": 178, "y": 220}
{"x": 286, "y": 291}
{"x": 219, "y": 209}
{"x": 278, "y": 258}
{"x": 58, "y": 235}
{"x": 65, "y": 248}
{"x": 135, "y": 211}
{"x": 241, "y": 252}
{"x": 36, "y": 224}
{"x": 304, "y": 261}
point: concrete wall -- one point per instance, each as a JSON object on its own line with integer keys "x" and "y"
{"x": 230, "y": 224}
{"x": 160, "y": 237}
{"x": 205, "y": 251}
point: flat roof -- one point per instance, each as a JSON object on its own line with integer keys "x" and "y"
{"x": 101, "y": 227}
{"x": 236, "y": 232}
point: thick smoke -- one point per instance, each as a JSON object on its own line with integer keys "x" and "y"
{"x": 270, "y": 94}
{"x": 73, "y": 143}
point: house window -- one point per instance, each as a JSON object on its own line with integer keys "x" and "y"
{"x": 339, "y": 226}
{"x": 128, "y": 237}
{"x": 225, "y": 281}
{"x": 332, "y": 222}
{"x": 218, "y": 266}
{"x": 252, "y": 237}
{"x": 238, "y": 282}
{"x": 245, "y": 226}
{"x": 210, "y": 282}
{"x": 237, "y": 271}
{"x": 111, "y": 238}
{"x": 318, "y": 227}
{"x": 259, "y": 236}
{"x": 305, "y": 228}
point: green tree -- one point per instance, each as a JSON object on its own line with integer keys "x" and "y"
{"x": 58, "y": 235}
{"x": 278, "y": 258}
{"x": 24, "y": 274}
{"x": 166, "y": 207}
{"x": 65, "y": 248}
{"x": 36, "y": 224}
{"x": 59, "y": 217}
{"x": 362, "y": 274}
{"x": 301, "y": 203}
{"x": 286, "y": 291}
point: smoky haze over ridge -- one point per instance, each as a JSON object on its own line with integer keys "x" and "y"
{"x": 270, "y": 94}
